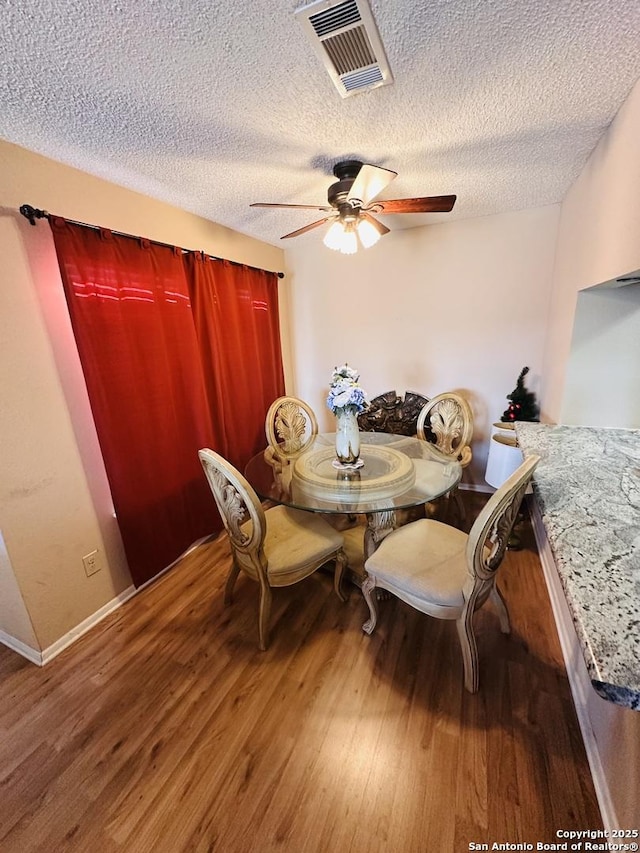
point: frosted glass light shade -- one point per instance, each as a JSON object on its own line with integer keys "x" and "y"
{"x": 367, "y": 233}
{"x": 341, "y": 236}
{"x": 349, "y": 242}
{"x": 333, "y": 237}
{"x": 505, "y": 457}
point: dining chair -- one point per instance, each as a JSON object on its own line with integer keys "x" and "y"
{"x": 448, "y": 574}
{"x": 275, "y": 547}
{"x": 290, "y": 425}
{"x": 447, "y": 421}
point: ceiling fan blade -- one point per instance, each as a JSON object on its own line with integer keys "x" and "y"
{"x": 430, "y": 204}
{"x": 294, "y": 206}
{"x": 370, "y": 181}
{"x": 380, "y": 228}
{"x": 308, "y": 227}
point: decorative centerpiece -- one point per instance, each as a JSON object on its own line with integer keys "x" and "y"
{"x": 346, "y": 399}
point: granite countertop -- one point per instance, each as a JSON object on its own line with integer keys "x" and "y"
{"x": 587, "y": 485}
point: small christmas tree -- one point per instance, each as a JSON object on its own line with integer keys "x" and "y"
{"x": 523, "y": 405}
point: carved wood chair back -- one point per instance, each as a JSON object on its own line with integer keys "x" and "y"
{"x": 450, "y": 419}
{"x": 241, "y": 512}
{"x": 290, "y": 426}
{"x": 488, "y": 537}
{"x": 276, "y": 547}
{"x": 446, "y": 573}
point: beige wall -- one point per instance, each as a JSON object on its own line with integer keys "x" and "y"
{"x": 16, "y": 623}
{"x": 598, "y": 239}
{"x": 603, "y": 369}
{"x": 460, "y": 305}
{"x": 55, "y": 504}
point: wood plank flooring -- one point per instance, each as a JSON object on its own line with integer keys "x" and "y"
{"x": 166, "y": 729}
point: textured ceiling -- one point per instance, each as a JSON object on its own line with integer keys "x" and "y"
{"x": 212, "y": 105}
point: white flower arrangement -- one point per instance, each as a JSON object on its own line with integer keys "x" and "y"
{"x": 345, "y": 394}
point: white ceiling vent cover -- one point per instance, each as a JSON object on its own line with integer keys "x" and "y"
{"x": 345, "y": 37}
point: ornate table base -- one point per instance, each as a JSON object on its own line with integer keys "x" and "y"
{"x": 379, "y": 525}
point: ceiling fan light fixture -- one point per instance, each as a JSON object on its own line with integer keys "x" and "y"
{"x": 333, "y": 237}
{"x": 350, "y": 205}
{"x": 342, "y": 237}
{"x": 368, "y": 235}
{"x": 349, "y": 244}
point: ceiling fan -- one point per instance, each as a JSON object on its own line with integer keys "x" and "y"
{"x": 351, "y": 205}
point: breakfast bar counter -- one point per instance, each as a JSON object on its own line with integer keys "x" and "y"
{"x": 587, "y": 486}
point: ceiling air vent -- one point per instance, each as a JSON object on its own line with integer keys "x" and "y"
{"x": 345, "y": 37}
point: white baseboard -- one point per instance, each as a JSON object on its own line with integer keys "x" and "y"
{"x": 75, "y": 633}
{"x": 42, "y": 658}
{"x": 191, "y": 548}
{"x": 52, "y": 651}
{"x": 21, "y": 648}
{"x": 579, "y": 680}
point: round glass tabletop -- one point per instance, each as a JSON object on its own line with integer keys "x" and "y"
{"x": 397, "y": 472}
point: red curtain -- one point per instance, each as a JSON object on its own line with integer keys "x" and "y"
{"x": 235, "y": 309}
{"x": 131, "y": 315}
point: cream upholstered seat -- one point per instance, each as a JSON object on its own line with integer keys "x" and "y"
{"x": 447, "y": 421}
{"x": 290, "y": 425}
{"x": 276, "y": 547}
{"x": 446, "y": 573}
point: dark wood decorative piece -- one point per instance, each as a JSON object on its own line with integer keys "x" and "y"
{"x": 390, "y": 413}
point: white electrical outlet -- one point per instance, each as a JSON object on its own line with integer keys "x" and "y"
{"x": 91, "y": 563}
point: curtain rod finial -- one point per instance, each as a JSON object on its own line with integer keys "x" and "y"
{"x": 32, "y": 213}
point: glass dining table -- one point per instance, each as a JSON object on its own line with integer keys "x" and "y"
{"x": 396, "y": 473}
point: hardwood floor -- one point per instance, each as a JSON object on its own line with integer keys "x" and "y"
{"x": 165, "y": 729}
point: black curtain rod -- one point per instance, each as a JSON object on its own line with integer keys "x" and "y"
{"x": 33, "y": 213}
